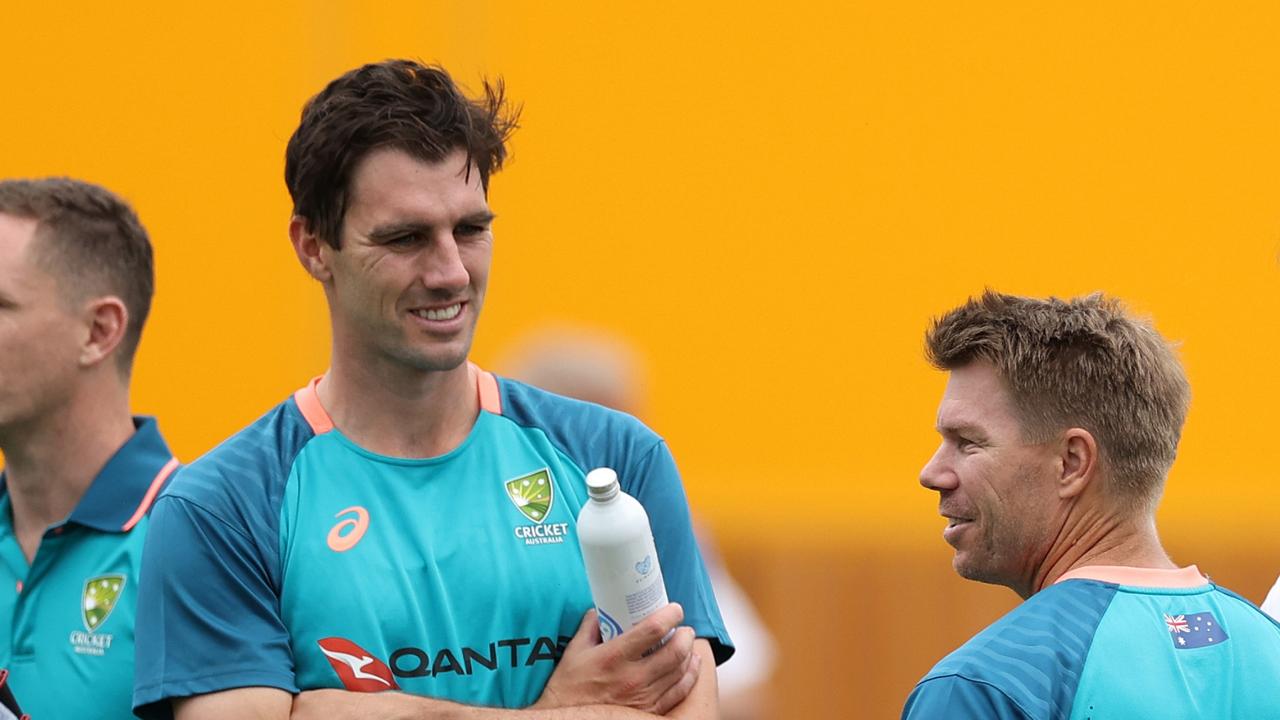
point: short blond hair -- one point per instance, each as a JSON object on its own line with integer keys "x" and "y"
{"x": 1084, "y": 363}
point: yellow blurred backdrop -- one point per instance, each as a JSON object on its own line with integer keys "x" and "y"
{"x": 771, "y": 202}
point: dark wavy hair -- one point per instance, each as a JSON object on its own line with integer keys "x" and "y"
{"x": 397, "y": 104}
{"x": 92, "y": 242}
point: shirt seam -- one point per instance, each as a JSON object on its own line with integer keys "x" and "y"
{"x": 984, "y": 683}
{"x": 206, "y": 511}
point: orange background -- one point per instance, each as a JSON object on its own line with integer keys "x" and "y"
{"x": 770, "y": 202}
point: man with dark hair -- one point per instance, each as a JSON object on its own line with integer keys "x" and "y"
{"x": 80, "y": 472}
{"x": 1059, "y": 424}
{"x": 405, "y": 522}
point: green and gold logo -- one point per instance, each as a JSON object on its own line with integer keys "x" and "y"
{"x": 100, "y": 596}
{"x": 532, "y": 494}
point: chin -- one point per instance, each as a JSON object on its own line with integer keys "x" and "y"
{"x": 968, "y": 570}
{"x": 437, "y": 362}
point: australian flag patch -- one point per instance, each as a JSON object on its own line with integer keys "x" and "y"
{"x": 1194, "y": 630}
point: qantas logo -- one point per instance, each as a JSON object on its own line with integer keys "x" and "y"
{"x": 358, "y": 669}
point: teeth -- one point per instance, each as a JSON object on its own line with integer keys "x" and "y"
{"x": 448, "y": 313}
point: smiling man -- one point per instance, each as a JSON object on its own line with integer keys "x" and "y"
{"x": 1059, "y": 424}
{"x": 397, "y": 538}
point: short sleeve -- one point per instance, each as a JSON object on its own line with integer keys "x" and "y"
{"x": 951, "y": 697}
{"x": 208, "y": 610}
{"x": 656, "y": 484}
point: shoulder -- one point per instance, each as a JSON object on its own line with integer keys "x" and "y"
{"x": 247, "y": 470}
{"x": 592, "y": 435}
{"x": 1035, "y": 652}
{"x": 534, "y": 407}
{"x": 1259, "y": 617}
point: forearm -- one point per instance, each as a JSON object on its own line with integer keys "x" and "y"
{"x": 585, "y": 712}
{"x": 340, "y": 704}
{"x": 703, "y": 702}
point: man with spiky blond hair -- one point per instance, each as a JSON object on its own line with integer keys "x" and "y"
{"x": 1059, "y": 424}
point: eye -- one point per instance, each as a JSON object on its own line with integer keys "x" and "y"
{"x": 469, "y": 230}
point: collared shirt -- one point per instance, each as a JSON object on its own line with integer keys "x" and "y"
{"x": 68, "y": 616}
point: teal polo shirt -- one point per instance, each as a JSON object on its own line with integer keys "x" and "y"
{"x": 68, "y": 617}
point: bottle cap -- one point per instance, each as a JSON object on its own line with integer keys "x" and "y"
{"x": 602, "y": 483}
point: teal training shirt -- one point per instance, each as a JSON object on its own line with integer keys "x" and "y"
{"x": 1109, "y": 643}
{"x": 293, "y": 558}
{"x": 70, "y": 614}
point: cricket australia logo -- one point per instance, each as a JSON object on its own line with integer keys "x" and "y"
{"x": 534, "y": 496}
{"x": 100, "y": 596}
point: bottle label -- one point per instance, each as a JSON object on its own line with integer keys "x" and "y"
{"x": 609, "y": 628}
{"x": 646, "y": 600}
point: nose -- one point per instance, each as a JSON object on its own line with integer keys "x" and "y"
{"x": 442, "y": 267}
{"x": 937, "y": 473}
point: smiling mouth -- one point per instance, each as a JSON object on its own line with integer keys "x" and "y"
{"x": 445, "y": 313}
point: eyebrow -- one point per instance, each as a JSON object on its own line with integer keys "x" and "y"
{"x": 395, "y": 230}
{"x": 959, "y": 428}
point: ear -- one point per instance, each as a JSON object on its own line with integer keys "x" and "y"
{"x": 1080, "y": 462}
{"x": 107, "y": 320}
{"x": 312, "y": 252}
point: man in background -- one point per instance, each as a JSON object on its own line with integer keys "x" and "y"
{"x": 406, "y": 522}
{"x": 605, "y": 369}
{"x": 1059, "y": 424}
{"x": 80, "y": 472}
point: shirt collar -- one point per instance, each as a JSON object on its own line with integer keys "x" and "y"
{"x": 126, "y": 486}
{"x": 1187, "y": 577}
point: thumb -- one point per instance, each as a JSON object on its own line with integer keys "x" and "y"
{"x": 588, "y": 632}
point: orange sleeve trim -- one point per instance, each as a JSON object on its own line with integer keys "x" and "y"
{"x": 312, "y": 411}
{"x": 1186, "y": 577}
{"x": 150, "y": 497}
{"x": 487, "y": 388}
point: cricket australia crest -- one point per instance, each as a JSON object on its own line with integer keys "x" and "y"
{"x": 100, "y": 596}
{"x": 532, "y": 494}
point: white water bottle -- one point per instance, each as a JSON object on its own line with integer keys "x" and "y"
{"x": 617, "y": 548}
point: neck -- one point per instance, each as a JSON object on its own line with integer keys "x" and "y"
{"x": 45, "y": 474}
{"x": 1095, "y": 534}
{"x": 397, "y": 412}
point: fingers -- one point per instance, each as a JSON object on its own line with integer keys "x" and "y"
{"x": 672, "y": 658}
{"x": 644, "y": 637}
{"x": 681, "y": 688}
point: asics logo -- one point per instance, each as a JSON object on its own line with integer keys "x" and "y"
{"x": 345, "y": 535}
{"x": 358, "y": 670}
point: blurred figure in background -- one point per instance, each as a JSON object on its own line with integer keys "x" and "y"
{"x": 1271, "y": 605}
{"x": 602, "y": 368}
